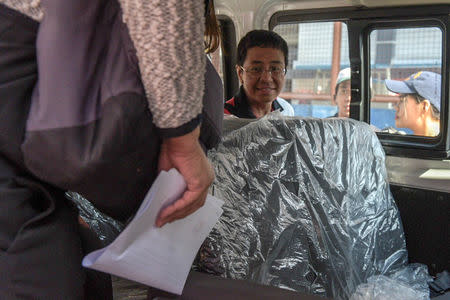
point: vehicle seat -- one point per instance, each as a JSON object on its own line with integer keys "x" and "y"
{"x": 307, "y": 206}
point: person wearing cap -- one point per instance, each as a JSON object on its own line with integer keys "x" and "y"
{"x": 342, "y": 94}
{"x": 420, "y": 102}
{"x": 261, "y": 69}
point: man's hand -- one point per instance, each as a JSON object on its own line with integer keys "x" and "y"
{"x": 186, "y": 155}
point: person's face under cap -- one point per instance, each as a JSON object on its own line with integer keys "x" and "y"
{"x": 342, "y": 99}
{"x": 411, "y": 113}
{"x": 426, "y": 84}
{"x": 343, "y": 93}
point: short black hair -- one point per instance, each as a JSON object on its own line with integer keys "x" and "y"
{"x": 264, "y": 39}
{"x": 207, "y": 7}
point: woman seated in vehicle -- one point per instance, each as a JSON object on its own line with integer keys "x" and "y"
{"x": 420, "y": 102}
{"x": 261, "y": 68}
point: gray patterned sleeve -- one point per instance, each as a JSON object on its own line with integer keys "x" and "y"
{"x": 168, "y": 37}
{"x": 31, "y": 8}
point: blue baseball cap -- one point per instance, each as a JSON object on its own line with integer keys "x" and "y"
{"x": 426, "y": 84}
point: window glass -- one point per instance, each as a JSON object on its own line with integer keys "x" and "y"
{"x": 317, "y": 52}
{"x": 405, "y": 80}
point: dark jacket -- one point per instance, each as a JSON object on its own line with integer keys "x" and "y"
{"x": 239, "y": 106}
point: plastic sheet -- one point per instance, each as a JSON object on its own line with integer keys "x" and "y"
{"x": 307, "y": 206}
{"x": 408, "y": 283}
{"x": 106, "y": 228}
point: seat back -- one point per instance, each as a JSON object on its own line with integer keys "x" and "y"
{"x": 307, "y": 206}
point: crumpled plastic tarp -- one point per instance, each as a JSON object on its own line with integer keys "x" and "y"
{"x": 307, "y": 206}
{"x": 106, "y": 228}
{"x": 408, "y": 283}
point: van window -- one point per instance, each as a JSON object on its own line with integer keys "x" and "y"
{"x": 415, "y": 55}
{"x": 317, "y": 52}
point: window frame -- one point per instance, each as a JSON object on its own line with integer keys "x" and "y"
{"x": 360, "y": 23}
{"x": 392, "y": 141}
{"x": 229, "y": 55}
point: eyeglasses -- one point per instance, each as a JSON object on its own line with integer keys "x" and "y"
{"x": 257, "y": 71}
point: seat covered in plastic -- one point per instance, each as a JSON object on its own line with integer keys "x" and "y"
{"x": 307, "y": 206}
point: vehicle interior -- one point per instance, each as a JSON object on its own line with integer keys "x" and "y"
{"x": 378, "y": 40}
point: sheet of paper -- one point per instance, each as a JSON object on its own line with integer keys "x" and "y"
{"x": 158, "y": 257}
{"x": 441, "y": 174}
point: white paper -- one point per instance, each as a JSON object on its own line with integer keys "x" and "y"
{"x": 158, "y": 257}
{"x": 441, "y": 174}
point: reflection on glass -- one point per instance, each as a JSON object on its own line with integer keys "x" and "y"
{"x": 406, "y": 81}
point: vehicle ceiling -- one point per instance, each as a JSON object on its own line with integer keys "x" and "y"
{"x": 255, "y": 14}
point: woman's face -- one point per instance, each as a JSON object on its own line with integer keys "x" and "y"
{"x": 408, "y": 113}
{"x": 266, "y": 87}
